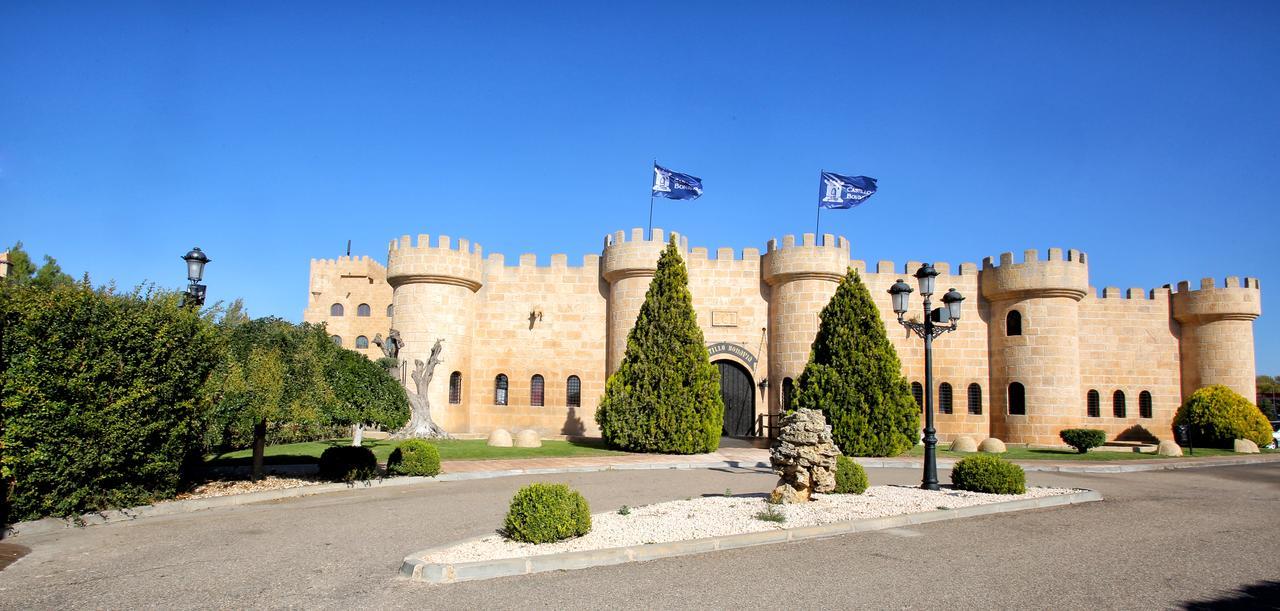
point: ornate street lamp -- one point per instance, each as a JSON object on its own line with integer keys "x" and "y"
{"x": 196, "y": 261}
{"x": 931, "y": 327}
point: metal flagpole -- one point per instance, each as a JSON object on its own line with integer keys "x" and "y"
{"x": 817, "y": 222}
{"x": 651, "y": 175}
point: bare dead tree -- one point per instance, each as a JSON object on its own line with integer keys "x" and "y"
{"x": 420, "y": 425}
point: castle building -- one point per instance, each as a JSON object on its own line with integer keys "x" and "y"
{"x": 1038, "y": 349}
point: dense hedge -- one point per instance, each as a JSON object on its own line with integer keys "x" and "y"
{"x": 988, "y": 473}
{"x": 542, "y": 513}
{"x": 1218, "y": 416}
{"x": 665, "y": 395}
{"x": 99, "y": 396}
{"x": 348, "y": 463}
{"x": 855, "y": 378}
{"x": 1083, "y": 440}
{"x": 414, "y": 457}
{"x": 851, "y": 478}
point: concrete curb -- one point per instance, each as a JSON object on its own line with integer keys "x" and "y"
{"x": 415, "y": 568}
{"x": 48, "y": 525}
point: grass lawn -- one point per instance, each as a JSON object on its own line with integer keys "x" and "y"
{"x": 450, "y": 449}
{"x": 1038, "y": 454}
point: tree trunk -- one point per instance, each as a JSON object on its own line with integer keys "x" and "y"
{"x": 259, "y": 447}
{"x": 420, "y": 425}
{"x": 357, "y": 434}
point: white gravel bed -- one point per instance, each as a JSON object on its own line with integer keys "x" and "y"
{"x": 218, "y": 488}
{"x": 715, "y": 516}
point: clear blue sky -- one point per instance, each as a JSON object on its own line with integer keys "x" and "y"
{"x": 129, "y": 133}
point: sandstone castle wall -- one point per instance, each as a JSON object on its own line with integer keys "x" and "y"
{"x": 558, "y": 319}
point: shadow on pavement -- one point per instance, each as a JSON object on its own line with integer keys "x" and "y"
{"x": 1261, "y": 595}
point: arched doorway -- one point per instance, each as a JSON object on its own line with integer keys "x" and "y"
{"x": 739, "y": 399}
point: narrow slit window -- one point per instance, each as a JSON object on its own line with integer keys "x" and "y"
{"x": 1144, "y": 404}
{"x": 1093, "y": 404}
{"x": 573, "y": 391}
{"x": 500, "y": 389}
{"x": 455, "y": 388}
{"x": 975, "y": 399}
{"x": 1017, "y": 399}
{"x": 1117, "y": 404}
{"x": 917, "y": 392}
{"x": 536, "y": 388}
{"x": 1013, "y": 323}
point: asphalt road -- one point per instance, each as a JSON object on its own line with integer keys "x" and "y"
{"x": 1161, "y": 539}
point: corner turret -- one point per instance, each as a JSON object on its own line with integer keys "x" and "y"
{"x": 1217, "y": 334}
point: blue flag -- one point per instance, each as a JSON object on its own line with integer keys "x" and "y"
{"x": 674, "y": 185}
{"x": 838, "y": 191}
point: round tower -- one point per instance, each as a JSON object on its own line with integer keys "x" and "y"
{"x": 1217, "y": 334}
{"x": 1034, "y": 340}
{"x": 628, "y": 265}
{"x": 434, "y": 297}
{"x": 802, "y": 278}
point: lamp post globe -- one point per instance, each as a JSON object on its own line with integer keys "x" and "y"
{"x": 196, "y": 259}
{"x": 926, "y": 276}
{"x": 899, "y": 293}
{"x": 952, "y": 300}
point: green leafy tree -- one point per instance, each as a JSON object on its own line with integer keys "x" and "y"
{"x": 665, "y": 395}
{"x": 855, "y": 378}
{"x": 1218, "y": 416}
{"x": 364, "y": 393}
{"x": 22, "y": 270}
{"x": 99, "y": 396}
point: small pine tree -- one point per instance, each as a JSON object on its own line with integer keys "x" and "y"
{"x": 665, "y": 396}
{"x": 855, "y": 378}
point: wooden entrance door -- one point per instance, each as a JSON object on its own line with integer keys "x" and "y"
{"x": 739, "y": 399}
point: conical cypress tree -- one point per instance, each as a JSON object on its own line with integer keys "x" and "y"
{"x": 855, "y": 378}
{"x": 665, "y": 396}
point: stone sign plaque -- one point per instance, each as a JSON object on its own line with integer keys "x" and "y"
{"x": 724, "y": 318}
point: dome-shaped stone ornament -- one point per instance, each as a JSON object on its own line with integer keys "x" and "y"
{"x": 991, "y": 445}
{"x": 528, "y": 438}
{"x": 1169, "y": 447}
{"x": 964, "y": 443}
{"x": 1246, "y": 446}
{"x": 500, "y": 438}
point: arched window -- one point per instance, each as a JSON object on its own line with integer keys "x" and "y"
{"x": 1144, "y": 404}
{"x": 1117, "y": 404}
{"x": 573, "y": 392}
{"x": 944, "y": 398}
{"x": 1013, "y": 323}
{"x": 917, "y": 391}
{"x": 362, "y": 309}
{"x": 455, "y": 388}
{"x": 390, "y": 309}
{"x": 975, "y": 399}
{"x": 788, "y": 393}
{"x": 500, "y": 389}
{"x": 535, "y": 390}
{"x": 362, "y": 342}
{"x": 337, "y": 340}
{"x": 335, "y": 309}
{"x": 1017, "y": 399}
{"x": 1093, "y": 404}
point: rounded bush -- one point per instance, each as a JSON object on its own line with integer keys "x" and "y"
{"x": 542, "y": 513}
{"x": 1083, "y": 439}
{"x": 348, "y": 463}
{"x": 850, "y": 477}
{"x": 415, "y": 457}
{"x": 1218, "y": 416}
{"x": 987, "y": 473}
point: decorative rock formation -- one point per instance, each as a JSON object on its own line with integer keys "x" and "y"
{"x": 1169, "y": 447}
{"x": 500, "y": 438}
{"x": 1245, "y": 446}
{"x": 991, "y": 445}
{"x": 804, "y": 455}
{"x": 964, "y": 443}
{"x": 528, "y": 438}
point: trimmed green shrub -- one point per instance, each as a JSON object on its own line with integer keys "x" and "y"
{"x": 99, "y": 396}
{"x": 665, "y": 395}
{"x": 348, "y": 464}
{"x": 1218, "y": 416}
{"x": 542, "y": 513}
{"x": 415, "y": 457}
{"x": 988, "y": 473}
{"x": 855, "y": 378}
{"x": 1083, "y": 439}
{"x": 850, "y": 476}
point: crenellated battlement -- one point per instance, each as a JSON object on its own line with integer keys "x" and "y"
{"x": 889, "y": 268}
{"x": 1233, "y": 300}
{"x": 631, "y": 255}
{"x": 361, "y": 267}
{"x": 528, "y": 262}
{"x": 1061, "y": 274}
{"x": 808, "y": 260}
{"x": 411, "y": 262}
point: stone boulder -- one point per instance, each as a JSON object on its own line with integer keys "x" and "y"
{"x": 991, "y": 445}
{"x": 804, "y": 456}
{"x": 500, "y": 438}
{"x": 1245, "y": 446}
{"x": 964, "y": 443}
{"x": 528, "y": 438}
{"x": 1169, "y": 447}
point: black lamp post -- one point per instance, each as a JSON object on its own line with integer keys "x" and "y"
{"x": 929, "y": 329}
{"x": 196, "y": 260}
